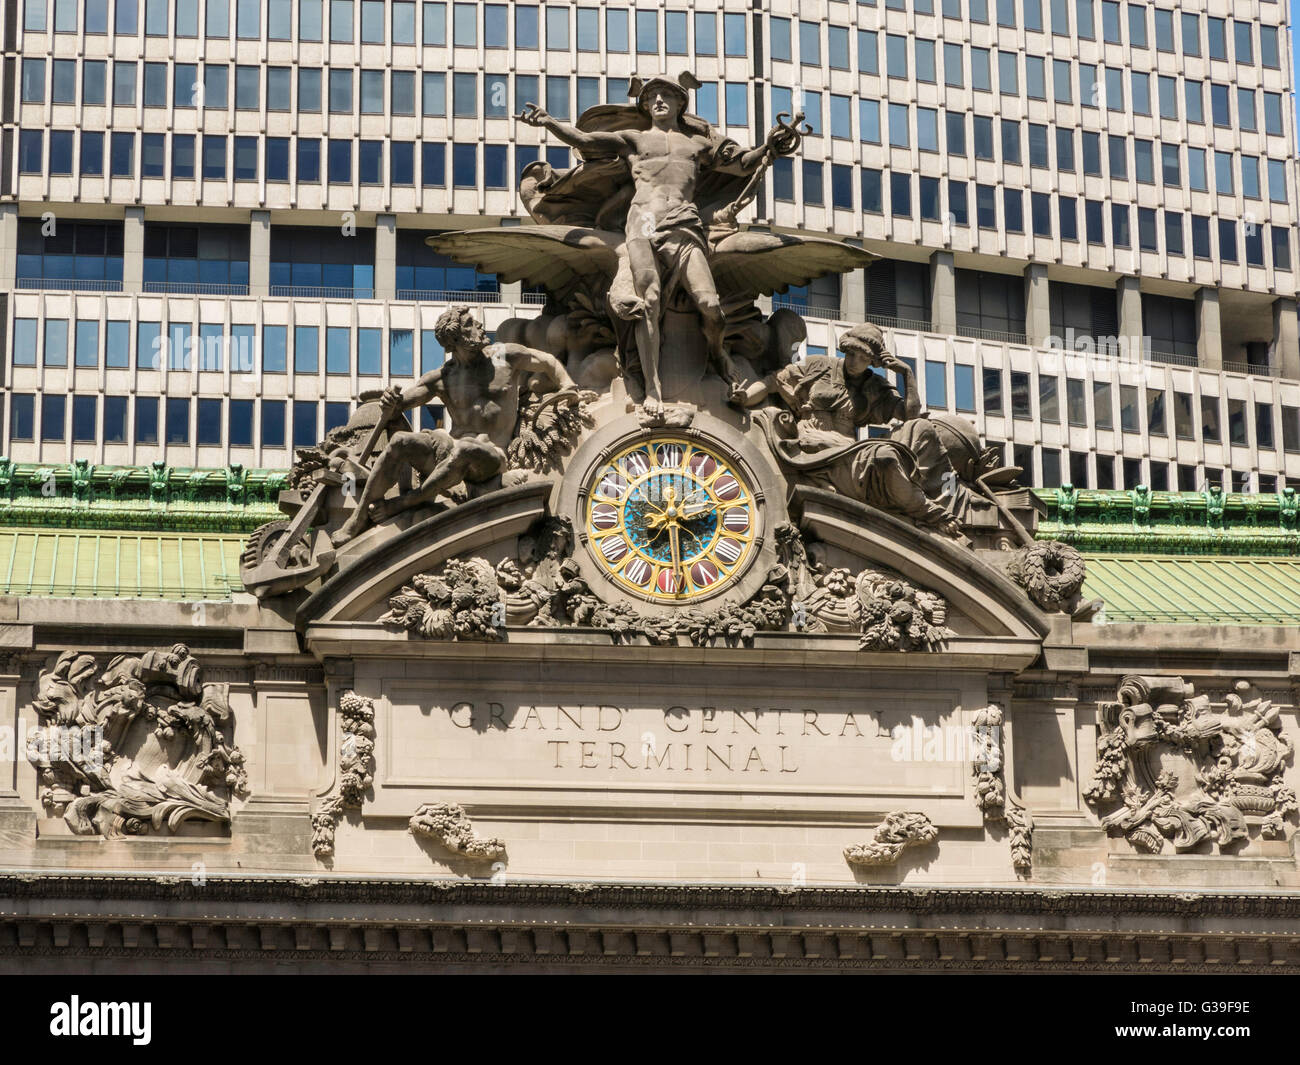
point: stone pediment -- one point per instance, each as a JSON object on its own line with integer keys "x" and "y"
{"x": 971, "y": 586}
{"x": 491, "y": 569}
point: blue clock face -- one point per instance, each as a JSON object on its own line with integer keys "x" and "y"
{"x": 649, "y": 535}
{"x": 670, "y": 519}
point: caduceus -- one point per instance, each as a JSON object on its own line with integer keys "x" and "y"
{"x": 784, "y": 139}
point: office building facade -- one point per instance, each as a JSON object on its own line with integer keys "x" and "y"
{"x": 212, "y": 214}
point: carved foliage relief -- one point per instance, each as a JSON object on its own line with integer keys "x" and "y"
{"x": 1174, "y": 771}
{"x": 356, "y": 770}
{"x": 469, "y": 599}
{"x": 134, "y": 747}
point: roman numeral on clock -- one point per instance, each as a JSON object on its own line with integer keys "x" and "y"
{"x": 728, "y": 550}
{"x": 613, "y": 548}
{"x": 638, "y": 571}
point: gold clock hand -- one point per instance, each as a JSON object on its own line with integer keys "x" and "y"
{"x": 677, "y": 558}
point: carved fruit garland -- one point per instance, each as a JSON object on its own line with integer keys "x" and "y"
{"x": 356, "y": 770}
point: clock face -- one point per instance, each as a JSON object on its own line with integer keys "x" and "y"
{"x": 670, "y": 519}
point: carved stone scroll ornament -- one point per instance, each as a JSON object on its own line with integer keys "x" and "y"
{"x": 1183, "y": 773}
{"x": 356, "y": 771}
{"x": 988, "y": 767}
{"x": 448, "y": 824}
{"x": 136, "y": 746}
{"x": 896, "y": 832}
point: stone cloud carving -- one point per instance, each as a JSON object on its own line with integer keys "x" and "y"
{"x": 135, "y": 747}
{"x": 896, "y": 832}
{"x": 1175, "y": 772}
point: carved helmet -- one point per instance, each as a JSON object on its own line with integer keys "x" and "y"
{"x": 681, "y": 85}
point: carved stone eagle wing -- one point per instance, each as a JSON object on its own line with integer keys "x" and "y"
{"x": 750, "y": 264}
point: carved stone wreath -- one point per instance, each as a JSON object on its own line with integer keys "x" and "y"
{"x": 1175, "y": 772}
{"x": 136, "y": 746}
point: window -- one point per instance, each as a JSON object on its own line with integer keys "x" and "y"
{"x": 992, "y": 391}
{"x": 340, "y": 21}
{"x": 955, "y": 130}
{"x": 1118, "y": 156}
{"x": 868, "y": 52}
{"x": 957, "y": 203}
{"x": 307, "y": 261}
{"x": 871, "y": 191}
{"x": 1268, "y": 47}
{"x": 372, "y": 92}
{"x": 305, "y": 432}
{"x": 1049, "y": 400}
{"x": 953, "y": 71}
{"x": 733, "y": 35}
{"x": 1210, "y": 425}
{"x": 980, "y": 77}
{"x": 1290, "y": 429}
{"x": 1076, "y": 402}
{"x": 896, "y": 55}
{"x": 1200, "y": 236}
{"x": 1061, "y": 87}
{"x": 1041, "y": 210}
{"x": 1035, "y": 78}
{"x": 1008, "y": 81}
{"x": 1184, "y": 419}
{"x": 924, "y": 58}
{"x": 1218, "y": 34}
{"x": 927, "y": 129}
{"x": 1237, "y": 421}
{"x": 557, "y": 28}
{"x": 1010, "y": 140}
{"x": 1021, "y": 404}
{"x": 898, "y": 125}
{"x": 936, "y": 384}
{"x": 1174, "y": 233}
{"x": 900, "y": 195}
{"x": 1241, "y": 40}
{"x": 53, "y": 417}
{"x": 1128, "y": 409}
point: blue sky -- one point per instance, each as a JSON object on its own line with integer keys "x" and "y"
{"x": 1295, "y": 16}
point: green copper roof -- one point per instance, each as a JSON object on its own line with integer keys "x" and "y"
{"x": 157, "y": 497}
{"x": 159, "y": 532}
{"x": 1192, "y": 590}
{"x": 1140, "y": 521}
{"x": 118, "y": 565}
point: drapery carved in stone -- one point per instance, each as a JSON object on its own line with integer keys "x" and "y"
{"x": 136, "y": 746}
{"x": 356, "y": 770}
{"x": 1183, "y": 772}
{"x": 895, "y": 833}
